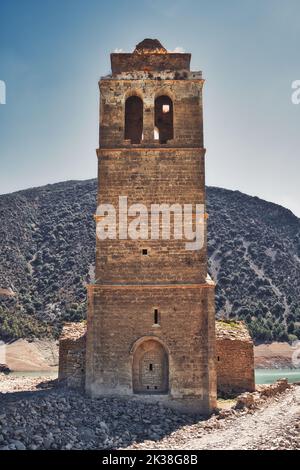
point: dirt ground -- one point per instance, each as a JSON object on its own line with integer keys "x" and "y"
{"x": 273, "y": 355}
{"x": 35, "y": 413}
{"x": 38, "y": 355}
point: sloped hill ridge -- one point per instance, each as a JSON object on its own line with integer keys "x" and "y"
{"x": 47, "y": 240}
{"x": 254, "y": 250}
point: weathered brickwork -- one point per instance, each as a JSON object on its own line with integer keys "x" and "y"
{"x": 234, "y": 358}
{"x": 72, "y": 354}
{"x": 186, "y": 95}
{"x": 185, "y": 329}
{"x": 151, "y": 310}
{"x": 151, "y": 151}
{"x": 150, "y": 177}
{"x": 156, "y": 62}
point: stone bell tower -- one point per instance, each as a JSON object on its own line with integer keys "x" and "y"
{"x": 151, "y": 322}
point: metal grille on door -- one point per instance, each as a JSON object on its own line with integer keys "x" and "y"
{"x": 152, "y": 373}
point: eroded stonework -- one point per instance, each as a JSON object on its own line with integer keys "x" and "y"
{"x": 234, "y": 358}
{"x": 151, "y": 310}
{"x": 150, "y": 327}
{"x": 72, "y": 354}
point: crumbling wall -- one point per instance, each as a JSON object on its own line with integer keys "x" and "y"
{"x": 234, "y": 359}
{"x": 72, "y": 345}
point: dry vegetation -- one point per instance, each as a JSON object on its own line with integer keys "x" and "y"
{"x": 47, "y": 239}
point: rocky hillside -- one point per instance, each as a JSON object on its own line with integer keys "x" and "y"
{"x": 47, "y": 239}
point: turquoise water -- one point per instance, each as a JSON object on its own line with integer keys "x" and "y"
{"x": 262, "y": 376}
{"x": 269, "y": 376}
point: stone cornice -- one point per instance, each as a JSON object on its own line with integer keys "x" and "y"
{"x": 206, "y": 285}
{"x": 101, "y": 150}
{"x": 165, "y": 80}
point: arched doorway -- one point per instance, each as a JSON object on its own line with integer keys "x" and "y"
{"x": 134, "y": 119}
{"x": 150, "y": 370}
{"x": 164, "y": 118}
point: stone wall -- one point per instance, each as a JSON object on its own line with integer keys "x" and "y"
{"x": 122, "y": 317}
{"x": 234, "y": 358}
{"x": 124, "y": 62}
{"x": 187, "y": 101}
{"x": 151, "y": 177}
{"x": 135, "y": 278}
{"x": 72, "y": 352}
{"x": 149, "y": 55}
{"x": 234, "y": 352}
{"x": 151, "y": 310}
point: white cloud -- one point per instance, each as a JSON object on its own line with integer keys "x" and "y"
{"x": 117, "y": 50}
{"x": 178, "y": 50}
{"x": 2, "y": 92}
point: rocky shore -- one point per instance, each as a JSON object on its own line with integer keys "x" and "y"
{"x": 36, "y": 413}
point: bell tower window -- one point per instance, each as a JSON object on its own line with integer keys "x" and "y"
{"x": 163, "y": 130}
{"x": 134, "y": 119}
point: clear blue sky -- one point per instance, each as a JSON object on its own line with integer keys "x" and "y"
{"x": 52, "y": 53}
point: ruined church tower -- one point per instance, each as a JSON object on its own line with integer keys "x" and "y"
{"x": 151, "y": 317}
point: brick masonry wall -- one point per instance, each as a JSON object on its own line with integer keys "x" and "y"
{"x": 122, "y": 62}
{"x": 234, "y": 359}
{"x": 121, "y": 317}
{"x": 171, "y": 279}
{"x": 127, "y": 351}
{"x": 235, "y": 366}
{"x": 151, "y": 177}
{"x": 72, "y": 355}
{"x": 187, "y": 103}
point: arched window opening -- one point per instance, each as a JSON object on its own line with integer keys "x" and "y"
{"x": 163, "y": 119}
{"x": 134, "y": 119}
{"x": 156, "y": 316}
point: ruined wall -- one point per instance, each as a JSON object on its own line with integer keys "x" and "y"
{"x": 72, "y": 355}
{"x": 122, "y": 62}
{"x": 234, "y": 360}
{"x": 234, "y": 357}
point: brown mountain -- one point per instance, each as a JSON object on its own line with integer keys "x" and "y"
{"x": 47, "y": 239}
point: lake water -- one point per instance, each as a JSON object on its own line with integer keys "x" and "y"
{"x": 269, "y": 376}
{"x": 262, "y": 376}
